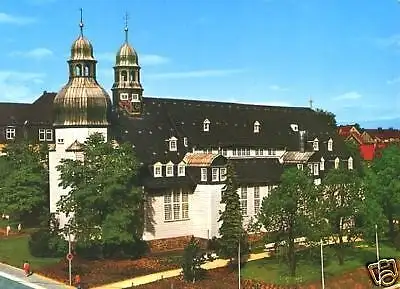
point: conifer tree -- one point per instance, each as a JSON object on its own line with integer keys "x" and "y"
{"x": 231, "y": 229}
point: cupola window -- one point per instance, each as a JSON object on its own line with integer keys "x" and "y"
{"x": 124, "y": 75}
{"x": 256, "y": 127}
{"x": 181, "y": 169}
{"x": 135, "y": 97}
{"x": 316, "y": 145}
{"x": 157, "y": 170}
{"x": 131, "y": 75}
{"x": 124, "y": 96}
{"x": 170, "y": 169}
{"x": 330, "y": 145}
{"x": 337, "y": 163}
{"x": 206, "y": 125}
{"x": 172, "y": 144}
{"x": 350, "y": 163}
{"x": 322, "y": 164}
{"x": 86, "y": 70}
{"x": 78, "y": 70}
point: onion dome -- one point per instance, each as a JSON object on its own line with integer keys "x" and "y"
{"x": 126, "y": 55}
{"x": 82, "y": 101}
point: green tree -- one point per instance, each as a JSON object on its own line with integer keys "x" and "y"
{"x": 231, "y": 229}
{"x": 383, "y": 184}
{"x": 342, "y": 203}
{"x": 192, "y": 261}
{"x": 291, "y": 211}
{"x": 24, "y": 187}
{"x": 328, "y": 118}
{"x": 104, "y": 197}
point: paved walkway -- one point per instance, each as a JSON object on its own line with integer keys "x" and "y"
{"x": 35, "y": 281}
{"x": 218, "y": 263}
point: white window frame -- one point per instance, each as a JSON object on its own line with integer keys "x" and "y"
{"x": 206, "y": 125}
{"x": 185, "y": 141}
{"x": 176, "y": 205}
{"x": 256, "y": 127}
{"x": 243, "y": 196}
{"x": 316, "y": 145}
{"x": 257, "y": 200}
{"x": 203, "y": 174}
{"x": 157, "y": 170}
{"x": 330, "y": 145}
{"x": 300, "y": 167}
{"x": 224, "y": 152}
{"x": 124, "y": 96}
{"x": 350, "y": 165}
{"x": 181, "y": 170}
{"x": 49, "y": 134}
{"x": 42, "y": 134}
{"x": 10, "y": 133}
{"x": 169, "y": 169}
{"x": 215, "y": 174}
{"x": 337, "y": 161}
{"x": 222, "y": 173}
{"x": 315, "y": 169}
{"x": 173, "y": 146}
{"x": 60, "y": 141}
{"x": 322, "y": 164}
{"x": 135, "y": 97}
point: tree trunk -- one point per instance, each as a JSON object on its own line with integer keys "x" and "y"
{"x": 340, "y": 250}
{"x": 391, "y": 228}
{"x": 292, "y": 257}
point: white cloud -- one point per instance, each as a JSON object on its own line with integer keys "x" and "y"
{"x": 144, "y": 59}
{"x": 393, "y": 81}
{"x": 390, "y": 41}
{"x": 348, "y": 96}
{"x": 12, "y": 19}
{"x": 276, "y": 87}
{"x": 196, "y": 74}
{"x": 19, "y": 86}
{"x": 37, "y": 53}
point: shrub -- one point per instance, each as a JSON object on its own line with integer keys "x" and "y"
{"x": 43, "y": 243}
{"x": 192, "y": 260}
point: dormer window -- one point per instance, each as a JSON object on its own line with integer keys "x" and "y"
{"x": 294, "y": 127}
{"x": 215, "y": 174}
{"x": 172, "y": 144}
{"x": 181, "y": 169}
{"x": 185, "y": 141}
{"x": 206, "y": 125}
{"x": 222, "y": 173}
{"x": 157, "y": 170}
{"x": 322, "y": 164}
{"x": 330, "y": 145}
{"x": 170, "y": 169}
{"x": 256, "y": 127}
{"x": 350, "y": 163}
{"x": 316, "y": 145}
{"x": 204, "y": 174}
{"x": 337, "y": 163}
{"x": 10, "y": 133}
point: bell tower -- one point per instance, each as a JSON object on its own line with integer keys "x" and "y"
{"x": 127, "y": 91}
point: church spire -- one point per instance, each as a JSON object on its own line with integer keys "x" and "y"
{"x": 81, "y": 22}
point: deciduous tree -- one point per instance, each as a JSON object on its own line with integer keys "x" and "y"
{"x": 291, "y": 211}
{"x": 104, "y": 201}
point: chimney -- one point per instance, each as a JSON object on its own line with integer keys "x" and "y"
{"x": 302, "y": 141}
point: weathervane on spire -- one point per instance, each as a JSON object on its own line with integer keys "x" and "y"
{"x": 126, "y": 27}
{"x": 81, "y": 23}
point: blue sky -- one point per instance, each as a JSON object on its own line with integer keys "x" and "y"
{"x": 343, "y": 54}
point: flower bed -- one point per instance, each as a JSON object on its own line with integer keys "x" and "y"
{"x": 95, "y": 273}
{"x": 226, "y": 278}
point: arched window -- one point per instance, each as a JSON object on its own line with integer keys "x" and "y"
{"x": 86, "y": 73}
{"x": 124, "y": 75}
{"x": 78, "y": 70}
{"x": 131, "y": 75}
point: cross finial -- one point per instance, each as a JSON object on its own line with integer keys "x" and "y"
{"x": 81, "y": 23}
{"x": 126, "y": 27}
{"x": 311, "y": 102}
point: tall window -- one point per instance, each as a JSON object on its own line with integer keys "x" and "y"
{"x": 316, "y": 170}
{"x": 10, "y": 133}
{"x": 176, "y": 205}
{"x": 330, "y": 145}
{"x": 204, "y": 174}
{"x": 315, "y": 145}
{"x": 206, "y": 125}
{"x": 172, "y": 144}
{"x": 256, "y": 127}
{"x": 215, "y": 174}
{"x": 350, "y": 163}
{"x": 243, "y": 200}
{"x": 49, "y": 134}
{"x": 257, "y": 202}
{"x": 222, "y": 173}
{"x": 170, "y": 170}
{"x": 181, "y": 170}
{"x": 322, "y": 164}
{"x": 157, "y": 170}
{"x": 224, "y": 152}
{"x": 336, "y": 163}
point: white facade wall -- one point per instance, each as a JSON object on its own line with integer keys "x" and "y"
{"x": 68, "y": 135}
{"x": 204, "y": 208}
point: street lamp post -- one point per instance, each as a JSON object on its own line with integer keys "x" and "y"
{"x": 69, "y": 254}
{"x": 239, "y": 263}
{"x": 377, "y": 254}
{"x": 322, "y": 266}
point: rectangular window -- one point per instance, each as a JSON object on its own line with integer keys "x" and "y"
{"x": 243, "y": 200}
{"x": 239, "y": 152}
{"x": 176, "y": 205}
{"x": 157, "y": 171}
{"x": 181, "y": 170}
{"x": 257, "y": 202}
{"x": 42, "y": 134}
{"x": 234, "y": 152}
{"x": 315, "y": 169}
{"x": 300, "y": 166}
{"x": 224, "y": 152}
{"x": 310, "y": 167}
{"x": 60, "y": 140}
{"x": 123, "y": 96}
{"x": 172, "y": 145}
{"x": 10, "y": 133}
{"x": 204, "y": 174}
{"x": 170, "y": 170}
{"x": 49, "y": 134}
{"x": 247, "y": 152}
{"x": 215, "y": 174}
{"x": 270, "y": 152}
{"x": 135, "y": 97}
{"x": 222, "y": 173}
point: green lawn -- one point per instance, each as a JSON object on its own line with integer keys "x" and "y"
{"x": 14, "y": 250}
{"x": 274, "y": 269}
